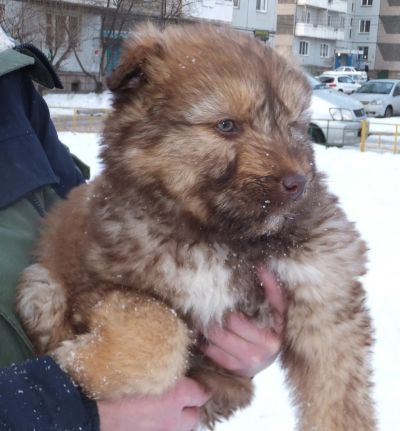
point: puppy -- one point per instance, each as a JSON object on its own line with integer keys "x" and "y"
{"x": 208, "y": 172}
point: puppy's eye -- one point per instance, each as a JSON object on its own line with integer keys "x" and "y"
{"x": 227, "y": 126}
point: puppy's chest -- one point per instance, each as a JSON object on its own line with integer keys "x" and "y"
{"x": 205, "y": 282}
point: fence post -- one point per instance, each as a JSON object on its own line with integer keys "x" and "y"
{"x": 363, "y": 135}
{"x": 396, "y": 136}
{"x": 75, "y": 120}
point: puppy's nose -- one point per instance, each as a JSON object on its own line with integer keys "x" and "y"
{"x": 294, "y": 184}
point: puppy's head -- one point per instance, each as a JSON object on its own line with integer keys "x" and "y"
{"x": 213, "y": 121}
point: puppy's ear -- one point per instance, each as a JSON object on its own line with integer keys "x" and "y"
{"x": 136, "y": 54}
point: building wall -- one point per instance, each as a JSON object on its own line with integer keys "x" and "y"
{"x": 360, "y": 39}
{"x": 388, "y": 47}
{"x": 41, "y": 27}
{"x": 285, "y": 25}
{"x": 246, "y": 17}
{"x": 312, "y": 25}
{"x": 210, "y": 10}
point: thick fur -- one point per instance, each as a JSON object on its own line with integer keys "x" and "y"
{"x": 207, "y": 126}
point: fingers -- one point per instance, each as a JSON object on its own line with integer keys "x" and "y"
{"x": 190, "y": 393}
{"x": 189, "y": 419}
{"x": 239, "y": 324}
{"x": 240, "y": 355}
{"x": 223, "y": 357}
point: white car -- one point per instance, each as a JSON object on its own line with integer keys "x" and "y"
{"x": 336, "y": 119}
{"x": 355, "y": 74}
{"x": 380, "y": 97}
{"x": 342, "y": 83}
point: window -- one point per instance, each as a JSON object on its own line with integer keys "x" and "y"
{"x": 364, "y": 54}
{"x": 329, "y": 21}
{"x": 236, "y": 4}
{"x": 366, "y": 2}
{"x": 365, "y": 25}
{"x": 62, "y": 30}
{"x": 303, "y": 47}
{"x": 261, "y": 5}
{"x": 324, "y": 50}
{"x": 396, "y": 91}
{"x": 308, "y": 17}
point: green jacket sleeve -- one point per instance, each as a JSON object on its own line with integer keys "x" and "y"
{"x": 19, "y": 228}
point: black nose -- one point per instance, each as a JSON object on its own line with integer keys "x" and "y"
{"x": 293, "y": 185}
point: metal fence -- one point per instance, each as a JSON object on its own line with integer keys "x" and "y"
{"x": 79, "y": 119}
{"x": 379, "y": 136}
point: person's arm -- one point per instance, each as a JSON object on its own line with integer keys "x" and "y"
{"x": 37, "y": 394}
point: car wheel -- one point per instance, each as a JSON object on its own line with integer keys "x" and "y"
{"x": 388, "y": 112}
{"x": 316, "y": 134}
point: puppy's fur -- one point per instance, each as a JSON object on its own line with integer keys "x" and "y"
{"x": 208, "y": 172}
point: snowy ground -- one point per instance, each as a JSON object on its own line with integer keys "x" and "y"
{"x": 368, "y": 185}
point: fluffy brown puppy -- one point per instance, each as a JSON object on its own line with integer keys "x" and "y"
{"x": 208, "y": 172}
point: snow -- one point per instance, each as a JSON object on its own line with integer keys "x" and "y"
{"x": 5, "y": 42}
{"x": 65, "y": 104}
{"x": 368, "y": 185}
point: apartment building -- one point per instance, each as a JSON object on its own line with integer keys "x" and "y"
{"x": 358, "y": 48}
{"x": 310, "y": 30}
{"x": 387, "y": 59}
{"x": 257, "y": 17}
{"x": 83, "y": 38}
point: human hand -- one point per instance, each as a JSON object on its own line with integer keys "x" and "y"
{"x": 175, "y": 410}
{"x": 241, "y": 346}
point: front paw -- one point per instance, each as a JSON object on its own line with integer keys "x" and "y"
{"x": 135, "y": 346}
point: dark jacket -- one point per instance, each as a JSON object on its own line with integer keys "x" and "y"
{"x": 37, "y": 395}
{"x": 35, "y": 170}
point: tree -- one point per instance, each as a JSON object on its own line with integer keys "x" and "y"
{"x": 63, "y": 31}
{"x": 117, "y": 18}
{"x": 44, "y": 24}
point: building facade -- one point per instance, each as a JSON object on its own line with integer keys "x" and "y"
{"x": 257, "y": 17}
{"x": 83, "y": 38}
{"x": 387, "y": 59}
{"x": 310, "y": 30}
{"x": 359, "y": 47}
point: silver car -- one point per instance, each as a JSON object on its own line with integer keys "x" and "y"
{"x": 336, "y": 118}
{"x": 380, "y": 97}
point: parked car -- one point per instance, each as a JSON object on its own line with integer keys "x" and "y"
{"x": 359, "y": 77}
{"x": 336, "y": 118}
{"x": 380, "y": 97}
{"x": 342, "y": 83}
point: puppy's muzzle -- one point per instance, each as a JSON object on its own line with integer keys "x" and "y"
{"x": 293, "y": 185}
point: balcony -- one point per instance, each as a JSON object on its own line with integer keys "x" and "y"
{"x": 318, "y": 31}
{"x": 332, "y": 5}
{"x": 337, "y": 6}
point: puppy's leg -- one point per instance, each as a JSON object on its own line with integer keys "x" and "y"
{"x": 229, "y": 392}
{"x": 41, "y": 304}
{"x": 327, "y": 359}
{"x": 135, "y": 345}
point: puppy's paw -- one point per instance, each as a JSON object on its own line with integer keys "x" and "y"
{"x": 135, "y": 345}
